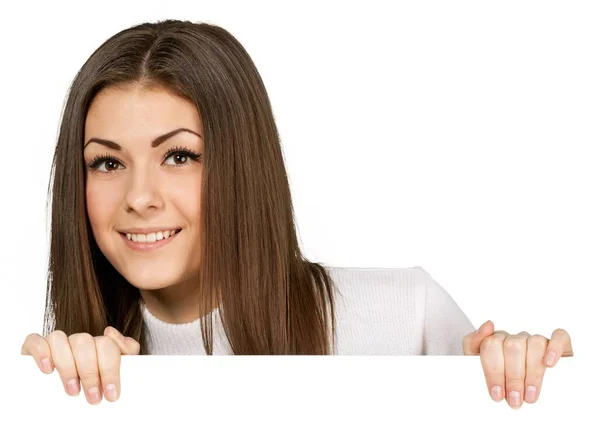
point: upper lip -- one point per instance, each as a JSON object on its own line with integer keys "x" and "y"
{"x": 147, "y": 230}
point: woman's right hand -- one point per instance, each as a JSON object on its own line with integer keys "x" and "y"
{"x": 93, "y": 361}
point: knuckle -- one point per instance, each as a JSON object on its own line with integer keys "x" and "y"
{"x": 65, "y": 367}
{"x": 55, "y": 336}
{"x": 106, "y": 344}
{"x": 534, "y": 378}
{"x": 31, "y": 337}
{"x": 514, "y": 344}
{"x": 62, "y": 367}
{"x": 538, "y": 340}
{"x": 491, "y": 342}
{"x": 495, "y": 379}
{"x": 80, "y": 338}
{"x": 134, "y": 345}
{"x": 109, "y": 331}
{"x": 88, "y": 376}
{"x": 110, "y": 373}
{"x": 514, "y": 379}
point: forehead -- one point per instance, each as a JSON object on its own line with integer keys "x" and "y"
{"x": 128, "y": 113}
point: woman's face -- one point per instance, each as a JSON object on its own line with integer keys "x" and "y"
{"x": 143, "y": 184}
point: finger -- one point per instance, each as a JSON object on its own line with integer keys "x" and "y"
{"x": 559, "y": 346}
{"x": 127, "y": 345}
{"x": 109, "y": 364}
{"x": 536, "y": 346}
{"x": 515, "y": 359}
{"x": 86, "y": 361}
{"x": 492, "y": 360}
{"x": 36, "y": 346}
{"x": 472, "y": 342}
{"x": 62, "y": 357}
{"x": 133, "y": 346}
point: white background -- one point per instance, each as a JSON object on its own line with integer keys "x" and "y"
{"x": 458, "y": 136}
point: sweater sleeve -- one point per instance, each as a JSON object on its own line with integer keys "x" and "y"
{"x": 445, "y": 324}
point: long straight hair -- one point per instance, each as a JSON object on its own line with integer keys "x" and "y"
{"x": 272, "y": 300}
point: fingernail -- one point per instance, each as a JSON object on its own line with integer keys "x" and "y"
{"x": 111, "y": 392}
{"x": 94, "y": 395}
{"x": 73, "y": 387}
{"x": 530, "y": 394}
{"x": 46, "y": 365}
{"x": 551, "y": 358}
{"x": 497, "y": 393}
{"x": 514, "y": 399}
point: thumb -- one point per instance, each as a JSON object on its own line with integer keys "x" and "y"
{"x": 472, "y": 342}
{"x": 128, "y": 345}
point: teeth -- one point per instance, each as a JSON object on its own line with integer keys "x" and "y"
{"x": 150, "y": 237}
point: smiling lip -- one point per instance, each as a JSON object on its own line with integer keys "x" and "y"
{"x": 148, "y": 246}
{"x": 147, "y": 230}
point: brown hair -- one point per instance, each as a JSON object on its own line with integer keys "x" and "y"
{"x": 272, "y": 300}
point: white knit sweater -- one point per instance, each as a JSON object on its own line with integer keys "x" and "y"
{"x": 379, "y": 311}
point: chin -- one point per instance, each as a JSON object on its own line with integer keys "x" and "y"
{"x": 151, "y": 281}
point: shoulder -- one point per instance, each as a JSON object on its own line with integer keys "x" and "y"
{"x": 392, "y": 291}
{"x": 396, "y": 311}
{"x": 379, "y": 311}
{"x": 379, "y": 282}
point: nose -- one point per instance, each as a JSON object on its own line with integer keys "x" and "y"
{"x": 143, "y": 192}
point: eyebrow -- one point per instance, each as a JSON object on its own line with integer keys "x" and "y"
{"x": 155, "y": 143}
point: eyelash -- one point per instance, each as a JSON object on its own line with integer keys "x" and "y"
{"x": 174, "y": 150}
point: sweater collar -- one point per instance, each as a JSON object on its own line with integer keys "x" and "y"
{"x": 165, "y": 338}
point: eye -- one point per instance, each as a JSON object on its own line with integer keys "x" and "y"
{"x": 177, "y": 159}
{"x": 104, "y": 163}
{"x": 180, "y": 156}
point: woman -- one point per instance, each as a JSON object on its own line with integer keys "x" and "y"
{"x": 173, "y": 233}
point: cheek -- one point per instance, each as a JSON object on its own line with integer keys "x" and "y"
{"x": 186, "y": 193}
{"x": 102, "y": 200}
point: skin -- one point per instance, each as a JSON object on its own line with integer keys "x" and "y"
{"x": 515, "y": 364}
{"x": 142, "y": 188}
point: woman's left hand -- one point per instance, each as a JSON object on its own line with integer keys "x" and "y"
{"x": 514, "y": 365}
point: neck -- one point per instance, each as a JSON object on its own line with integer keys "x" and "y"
{"x": 179, "y": 303}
